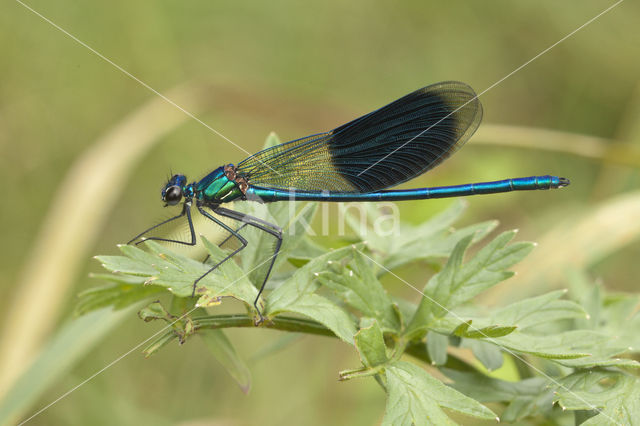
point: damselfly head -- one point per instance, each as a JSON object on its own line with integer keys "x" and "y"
{"x": 172, "y": 191}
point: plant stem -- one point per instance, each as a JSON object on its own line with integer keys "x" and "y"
{"x": 301, "y": 325}
{"x": 283, "y": 323}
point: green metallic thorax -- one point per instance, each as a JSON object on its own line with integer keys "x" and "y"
{"x": 216, "y": 188}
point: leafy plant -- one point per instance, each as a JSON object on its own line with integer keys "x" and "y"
{"x": 571, "y": 355}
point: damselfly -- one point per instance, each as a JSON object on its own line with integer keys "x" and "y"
{"x": 354, "y": 162}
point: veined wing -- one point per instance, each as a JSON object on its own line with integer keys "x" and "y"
{"x": 379, "y": 150}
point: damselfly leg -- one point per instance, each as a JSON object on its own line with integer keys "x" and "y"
{"x": 264, "y": 226}
{"x": 186, "y": 210}
{"x": 231, "y": 231}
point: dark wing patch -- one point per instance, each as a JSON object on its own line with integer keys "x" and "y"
{"x": 379, "y": 150}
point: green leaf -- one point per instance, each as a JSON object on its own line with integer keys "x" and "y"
{"x": 527, "y": 397}
{"x": 431, "y": 239}
{"x": 405, "y": 238}
{"x": 427, "y": 247}
{"x": 570, "y": 348}
{"x": 305, "y": 280}
{"x": 538, "y": 310}
{"x": 615, "y": 396}
{"x": 136, "y": 262}
{"x": 228, "y": 280}
{"x": 525, "y": 314}
{"x": 297, "y": 295}
{"x": 458, "y": 283}
{"x": 325, "y": 312}
{"x": 370, "y": 343}
{"x": 369, "y": 213}
{"x": 465, "y": 330}
{"x": 304, "y": 252}
{"x": 561, "y": 346}
{"x": 118, "y": 278}
{"x": 489, "y": 355}
{"x": 117, "y": 295}
{"x": 177, "y": 274}
{"x": 602, "y": 355}
{"x": 358, "y": 286}
{"x": 437, "y": 347}
{"x": 417, "y": 398}
{"x": 222, "y": 349}
{"x": 612, "y": 313}
{"x": 438, "y": 292}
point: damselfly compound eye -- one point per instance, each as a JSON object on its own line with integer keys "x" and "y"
{"x": 173, "y": 195}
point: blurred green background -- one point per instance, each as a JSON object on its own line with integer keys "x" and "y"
{"x": 297, "y": 68}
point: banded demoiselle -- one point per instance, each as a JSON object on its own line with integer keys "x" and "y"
{"x": 354, "y": 162}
